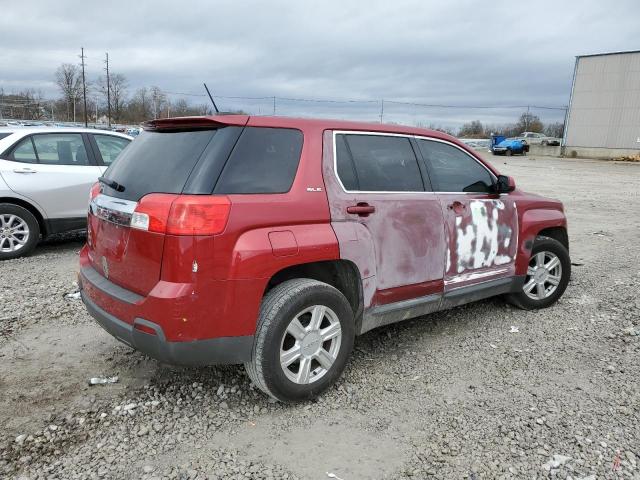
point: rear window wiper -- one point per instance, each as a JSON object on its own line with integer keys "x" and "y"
{"x": 112, "y": 184}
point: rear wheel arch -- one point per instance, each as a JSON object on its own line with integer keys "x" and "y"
{"x": 340, "y": 274}
{"x": 29, "y": 206}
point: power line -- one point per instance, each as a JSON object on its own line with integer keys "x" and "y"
{"x": 473, "y": 106}
{"x": 397, "y": 102}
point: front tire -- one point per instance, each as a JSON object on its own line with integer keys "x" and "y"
{"x": 508, "y": 153}
{"x": 547, "y": 276}
{"x": 19, "y": 231}
{"x": 303, "y": 339}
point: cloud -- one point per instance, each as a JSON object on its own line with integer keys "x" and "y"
{"x": 454, "y": 53}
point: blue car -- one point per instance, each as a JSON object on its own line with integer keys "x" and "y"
{"x": 504, "y": 146}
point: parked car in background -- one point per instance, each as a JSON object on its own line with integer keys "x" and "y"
{"x": 507, "y": 146}
{"x": 534, "y": 138}
{"x": 274, "y": 241}
{"x": 45, "y": 177}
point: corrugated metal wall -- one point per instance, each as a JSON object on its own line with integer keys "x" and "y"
{"x": 605, "y": 106}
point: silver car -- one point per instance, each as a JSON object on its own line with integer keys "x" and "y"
{"x": 45, "y": 177}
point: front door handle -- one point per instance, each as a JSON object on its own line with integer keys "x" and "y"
{"x": 24, "y": 170}
{"x": 362, "y": 209}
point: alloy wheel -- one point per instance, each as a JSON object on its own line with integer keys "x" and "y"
{"x": 543, "y": 275}
{"x": 14, "y": 233}
{"x": 310, "y": 344}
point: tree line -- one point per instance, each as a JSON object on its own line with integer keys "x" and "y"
{"x": 128, "y": 107}
{"x": 125, "y": 106}
{"x": 527, "y": 122}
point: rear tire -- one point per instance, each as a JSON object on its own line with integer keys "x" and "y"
{"x": 286, "y": 330}
{"x": 547, "y": 286}
{"x": 19, "y": 231}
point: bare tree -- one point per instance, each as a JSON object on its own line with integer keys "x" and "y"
{"x": 473, "y": 129}
{"x": 69, "y": 81}
{"x": 118, "y": 88}
{"x": 139, "y": 107}
{"x": 555, "y": 129}
{"x": 158, "y": 98}
{"x": 528, "y": 122}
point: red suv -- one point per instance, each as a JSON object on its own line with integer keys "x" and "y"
{"x": 273, "y": 242}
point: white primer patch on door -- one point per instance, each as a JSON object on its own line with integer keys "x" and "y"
{"x": 477, "y": 243}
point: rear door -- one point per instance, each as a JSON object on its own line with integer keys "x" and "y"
{"x": 56, "y": 170}
{"x": 481, "y": 227}
{"x": 385, "y": 195}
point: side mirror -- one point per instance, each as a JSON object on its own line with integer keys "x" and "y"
{"x": 505, "y": 184}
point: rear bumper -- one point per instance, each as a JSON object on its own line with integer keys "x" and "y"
{"x": 223, "y": 350}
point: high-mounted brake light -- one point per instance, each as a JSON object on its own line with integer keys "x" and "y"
{"x": 181, "y": 214}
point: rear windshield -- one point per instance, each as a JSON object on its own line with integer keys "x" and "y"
{"x": 157, "y": 162}
{"x": 3, "y": 135}
{"x": 229, "y": 160}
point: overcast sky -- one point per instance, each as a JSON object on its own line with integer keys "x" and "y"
{"x": 433, "y": 52}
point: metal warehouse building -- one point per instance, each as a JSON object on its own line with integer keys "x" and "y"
{"x": 604, "y": 111}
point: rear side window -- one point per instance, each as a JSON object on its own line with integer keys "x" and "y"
{"x": 61, "y": 149}
{"x": 110, "y": 147}
{"x": 24, "y": 152}
{"x": 344, "y": 164}
{"x": 380, "y": 163}
{"x": 452, "y": 170}
{"x": 264, "y": 160}
{"x": 158, "y": 162}
{"x": 52, "y": 149}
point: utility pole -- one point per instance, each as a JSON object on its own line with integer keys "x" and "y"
{"x": 108, "y": 93}
{"x": 84, "y": 87}
{"x": 381, "y": 110}
{"x": 95, "y": 99}
{"x": 274, "y": 105}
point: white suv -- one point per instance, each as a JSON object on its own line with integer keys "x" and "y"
{"x": 45, "y": 177}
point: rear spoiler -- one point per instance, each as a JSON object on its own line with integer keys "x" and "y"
{"x": 195, "y": 123}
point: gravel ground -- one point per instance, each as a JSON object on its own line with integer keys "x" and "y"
{"x": 452, "y": 395}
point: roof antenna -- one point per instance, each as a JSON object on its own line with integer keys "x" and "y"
{"x": 212, "y": 101}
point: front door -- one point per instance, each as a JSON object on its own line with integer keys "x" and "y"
{"x": 54, "y": 170}
{"x": 481, "y": 227}
{"x": 383, "y": 200}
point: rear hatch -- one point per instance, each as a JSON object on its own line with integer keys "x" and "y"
{"x": 161, "y": 184}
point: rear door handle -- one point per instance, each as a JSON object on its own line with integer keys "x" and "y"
{"x": 361, "y": 209}
{"x": 24, "y": 170}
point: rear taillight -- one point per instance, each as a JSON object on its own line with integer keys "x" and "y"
{"x": 152, "y": 212}
{"x": 95, "y": 191}
{"x": 181, "y": 214}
